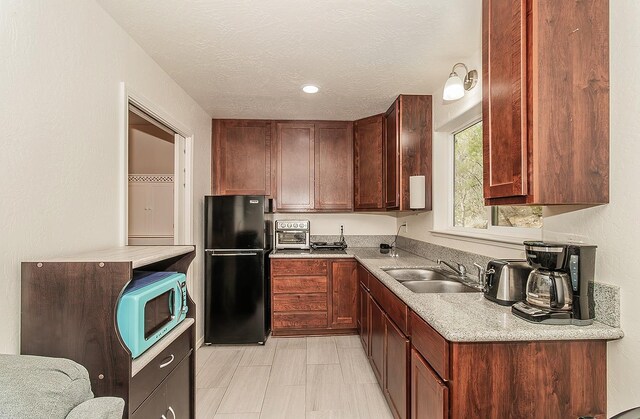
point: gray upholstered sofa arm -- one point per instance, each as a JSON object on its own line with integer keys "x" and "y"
{"x": 98, "y": 408}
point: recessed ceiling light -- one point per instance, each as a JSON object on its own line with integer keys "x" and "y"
{"x": 310, "y": 88}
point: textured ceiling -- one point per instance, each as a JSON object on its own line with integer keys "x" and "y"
{"x": 250, "y": 58}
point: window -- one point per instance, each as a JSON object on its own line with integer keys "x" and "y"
{"x": 469, "y": 211}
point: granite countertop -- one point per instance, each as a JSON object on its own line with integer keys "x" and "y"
{"x": 465, "y": 317}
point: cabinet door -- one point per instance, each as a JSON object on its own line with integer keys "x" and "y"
{"x": 161, "y": 209}
{"x": 378, "y": 324}
{"x": 429, "y": 394}
{"x": 241, "y": 157}
{"x": 178, "y": 391}
{"x": 333, "y": 149}
{"x": 295, "y": 175}
{"x": 391, "y": 172}
{"x": 344, "y": 285}
{"x": 155, "y": 406}
{"x": 139, "y": 208}
{"x": 396, "y": 380}
{"x": 504, "y": 104}
{"x": 364, "y": 318}
{"x": 368, "y": 167}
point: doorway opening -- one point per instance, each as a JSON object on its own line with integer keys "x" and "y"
{"x": 157, "y": 210}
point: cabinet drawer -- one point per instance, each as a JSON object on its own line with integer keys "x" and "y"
{"x": 390, "y": 303}
{"x": 291, "y": 267}
{"x": 431, "y": 345}
{"x": 300, "y": 320}
{"x": 300, "y": 302}
{"x": 300, "y": 284}
{"x": 155, "y": 371}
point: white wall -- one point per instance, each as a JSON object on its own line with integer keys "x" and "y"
{"x": 151, "y": 150}
{"x": 613, "y": 227}
{"x": 60, "y": 157}
{"x": 366, "y": 224}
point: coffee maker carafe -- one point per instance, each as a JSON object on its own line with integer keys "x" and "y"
{"x": 560, "y": 287}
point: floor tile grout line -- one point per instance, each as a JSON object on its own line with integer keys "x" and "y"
{"x": 226, "y": 389}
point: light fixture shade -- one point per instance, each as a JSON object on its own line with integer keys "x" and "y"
{"x": 416, "y": 192}
{"x": 453, "y": 88}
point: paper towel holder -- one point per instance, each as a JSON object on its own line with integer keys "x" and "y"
{"x": 417, "y": 192}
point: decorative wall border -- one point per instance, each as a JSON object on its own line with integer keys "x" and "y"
{"x": 141, "y": 178}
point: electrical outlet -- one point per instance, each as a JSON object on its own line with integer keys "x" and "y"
{"x": 406, "y": 227}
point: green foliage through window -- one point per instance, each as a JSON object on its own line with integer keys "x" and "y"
{"x": 468, "y": 200}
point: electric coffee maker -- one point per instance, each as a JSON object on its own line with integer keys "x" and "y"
{"x": 560, "y": 288}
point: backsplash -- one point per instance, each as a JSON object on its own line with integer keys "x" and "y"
{"x": 355, "y": 240}
{"x": 606, "y": 296}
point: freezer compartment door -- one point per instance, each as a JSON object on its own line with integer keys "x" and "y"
{"x": 236, "y": 222}
{"x": 236, "y": 287}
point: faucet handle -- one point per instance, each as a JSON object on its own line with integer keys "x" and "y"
{"x": 462, "y": 269}
{"x": 481, "y": 273}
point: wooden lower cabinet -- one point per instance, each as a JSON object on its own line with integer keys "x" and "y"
{"x": 377, "y": 331}
{"x": 363, "y": 322}
{"x": 313, "y": 296}
{"x": 396, "y": 370}
{"x": 170, "y": 399}
{"x": 429, "y": 394}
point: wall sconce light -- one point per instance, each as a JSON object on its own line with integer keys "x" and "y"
{"x": 454, "y": 88}
{"x": 416, "y": 192}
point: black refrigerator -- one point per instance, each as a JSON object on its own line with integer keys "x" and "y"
{"x": 237, "y": 236}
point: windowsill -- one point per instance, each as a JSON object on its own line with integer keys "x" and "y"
{"x": 509, "y": 242}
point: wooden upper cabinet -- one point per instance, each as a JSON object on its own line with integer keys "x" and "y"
{"x": 407, "y": 149}
{"x": 367, "y": 161}
{"x": 391, "y": 157}
{"x": 345, "y": 287}
{"x": 295, "y": 166}
{"x": 334, "y": 166}
{"x": 546, "y": 102}
{"x": 242, "y": 157}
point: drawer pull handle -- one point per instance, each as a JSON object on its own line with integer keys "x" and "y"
{"x": 172, "y": 412}
{"x": 163, "y": 417}
{"x": 171, "y": 358}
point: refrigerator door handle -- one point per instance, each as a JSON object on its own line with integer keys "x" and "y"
{"x": 234, "y": 254}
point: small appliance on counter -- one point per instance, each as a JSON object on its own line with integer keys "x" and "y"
{"x": 506, "y": 281}
{"x": 292, "y": 234}
{"x": 340, "y": 245}
{"x": 560, "y": 288}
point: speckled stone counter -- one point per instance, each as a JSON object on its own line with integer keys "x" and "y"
{"x": 464, "y": 317}
{"x": 469, "y": 317}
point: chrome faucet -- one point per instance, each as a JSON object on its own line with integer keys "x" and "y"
{"x": 460, "y": 270}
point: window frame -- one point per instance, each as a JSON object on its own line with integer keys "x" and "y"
{"x": 502, "y": 234}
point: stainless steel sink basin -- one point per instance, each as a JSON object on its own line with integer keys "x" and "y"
{"x": 402, "y": 275}
{"x": 438, "y": 286}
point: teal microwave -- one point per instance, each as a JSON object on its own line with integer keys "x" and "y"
{"x": 151, "y": 305}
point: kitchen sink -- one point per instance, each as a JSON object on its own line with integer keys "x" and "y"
{"x": 438, "y": 286}
{"x": 402, "y": 275}
{"x": 429, "y": 280}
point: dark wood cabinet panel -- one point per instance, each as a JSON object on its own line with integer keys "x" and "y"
{"x": 155, "y": 406}
{"x": 344, "y": 285}
{"x": 431, "y": 345}
{"x": 300, "y": 302}
{"x": 396, "y": 370}
{"x": 504, "y": 98}
{"x": 391, "y": 158}
{"x": 545, "y": 100}
{"x": 529, "y": 379}
{"x": 368, "y": 163}
{"x": 297, "y": 267}
{"x": 363, "y": 325}
{"x": 310, "y": 320}
{"x": 333, "y": 151}
{"x": 178, "y": 401}
{"x": 295, "y": 166}
{"x": 429, "y": 394}
{"x": 377, "y": 332}
{"x": 299, "y": 284}
{"x": 242, "y": 157}
{"x": 395, "y": 308}
{"x": 407, "y": 149}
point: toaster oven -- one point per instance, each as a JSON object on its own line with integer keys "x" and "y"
{"x": 292, "y": 234}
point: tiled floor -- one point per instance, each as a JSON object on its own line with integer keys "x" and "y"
{"x": 288, "y": 378}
